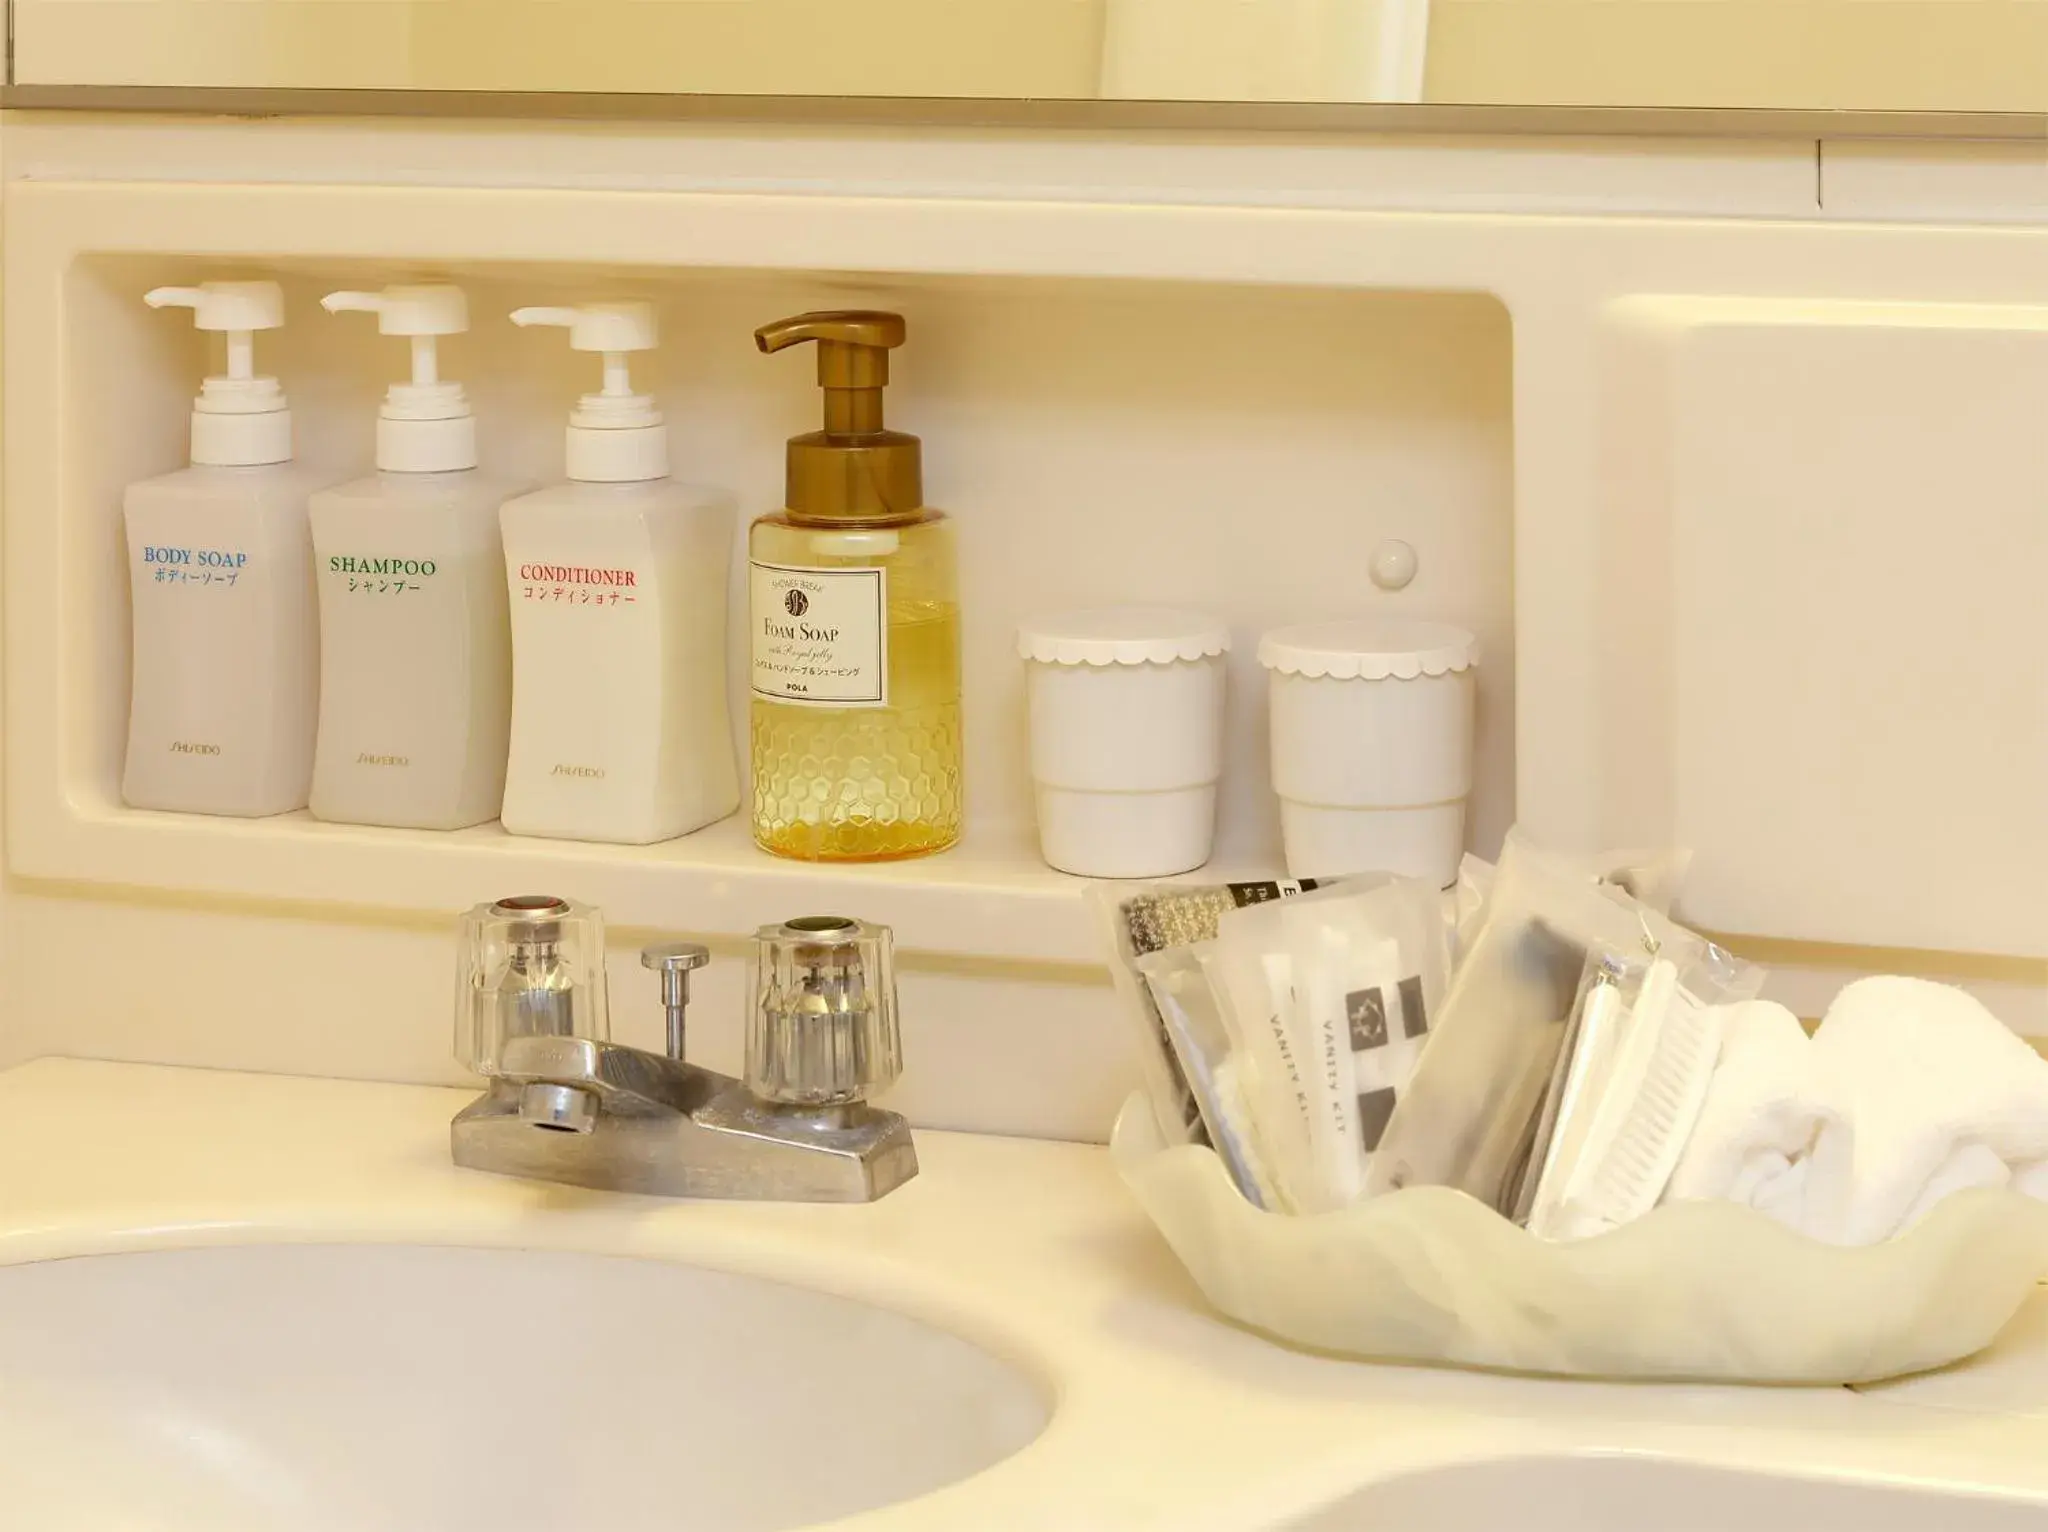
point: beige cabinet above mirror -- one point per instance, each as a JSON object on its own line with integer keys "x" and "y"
{"x": 1976, "y": 56}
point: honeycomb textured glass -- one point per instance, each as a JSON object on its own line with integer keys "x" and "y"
{"x": 868, "y": 784}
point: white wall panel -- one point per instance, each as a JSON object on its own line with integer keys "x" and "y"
{"x": 1839, "y": 644}
{"x": 1319, "y": 254}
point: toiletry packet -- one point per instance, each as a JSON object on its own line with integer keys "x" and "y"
{"x": 1469, "y": 1116}
{"x": 1193, "y": 1020}
{"x": 1141, "y": 918}
{"x": 1329, "y": 999}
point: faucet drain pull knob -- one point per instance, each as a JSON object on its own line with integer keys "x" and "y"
{"x": 675, "y": 961}
{"x": 822, "y": 1030}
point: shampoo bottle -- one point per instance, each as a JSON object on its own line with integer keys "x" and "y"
{"x": 415, "y": 652}
{"x": 220, "y": 567}
{"x": 620, "y": 729}
{"x": 855, "y": 625}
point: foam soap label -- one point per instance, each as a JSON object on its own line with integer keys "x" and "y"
{"x": 820, "y": 636}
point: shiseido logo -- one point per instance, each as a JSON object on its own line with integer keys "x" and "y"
{"x": 566, "y": 769}
{"x": 193, "y": 747}
{"x": 796, "y": 603}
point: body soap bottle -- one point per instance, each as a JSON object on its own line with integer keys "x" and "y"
{"x": 415, "y": 654}
{"x": 855, "y": 625}
{"x": 226, "y": 643}
{"x": 620, "y": 729}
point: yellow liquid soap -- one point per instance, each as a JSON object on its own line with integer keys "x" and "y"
{"x": 850, "y": 783}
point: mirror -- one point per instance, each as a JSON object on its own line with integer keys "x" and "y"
{"x": 1973, "y": 56}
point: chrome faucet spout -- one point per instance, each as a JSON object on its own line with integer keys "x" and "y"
{"x": 558, "y": 1108}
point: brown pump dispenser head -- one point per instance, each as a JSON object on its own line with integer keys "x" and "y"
{"x": 854, "y": 470}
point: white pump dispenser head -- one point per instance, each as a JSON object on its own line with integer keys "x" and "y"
{"x": 616, "y": 436}
{"x": 239, "y": 420}
{"x": 425, "y": 426}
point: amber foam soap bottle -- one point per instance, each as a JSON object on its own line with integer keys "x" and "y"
{"x": 220, "y": 565}
{"x": 617, "y": 580}
{"x": 855, "y": 625}
{"x": 415, "y": 652}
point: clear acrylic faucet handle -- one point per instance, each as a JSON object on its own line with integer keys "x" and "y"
{"x": 822, "y": 1030}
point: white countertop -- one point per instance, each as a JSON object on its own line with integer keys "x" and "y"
{"x": 1165, "y": 1415}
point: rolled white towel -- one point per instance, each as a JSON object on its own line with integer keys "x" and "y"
{"x": 2032, "y": 1180}
{"x": 1968, "y": 1166}
{"x": 1762, "y": 1117}
{"x": 1942, "y": 1096}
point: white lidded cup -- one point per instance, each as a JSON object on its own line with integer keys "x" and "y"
{"x": 1372, "y": 745}
{"x": 1126, "y": 737}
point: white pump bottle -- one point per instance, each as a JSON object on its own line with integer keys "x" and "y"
{"x": 226, "y": 651}
{"x": 620, "y": 726}
{"x": 415, "y": 651}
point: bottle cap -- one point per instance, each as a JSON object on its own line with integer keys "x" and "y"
{"x": 615, "y": 436}
{"x": 854, "y": 470}
{"x": 1370, "y": 649}
{"x": 239, "y": 420}
{"x": 425, "y": 426}
{"x": 1121, "y": 635}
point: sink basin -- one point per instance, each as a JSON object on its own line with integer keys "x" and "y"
{"x": 1627, "y": 1493}
{"x": 440, "y": 1390}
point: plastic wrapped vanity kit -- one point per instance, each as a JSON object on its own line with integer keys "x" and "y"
{"x": 1327, "y": 1000}
{"x": 1415, "y": 1249}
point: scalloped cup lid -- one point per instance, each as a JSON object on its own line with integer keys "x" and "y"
{"x": 1122, "y": 635}
{"x": 1370, "y": 649}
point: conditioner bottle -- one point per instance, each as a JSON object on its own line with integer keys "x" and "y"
{"x": 617, "y": 579}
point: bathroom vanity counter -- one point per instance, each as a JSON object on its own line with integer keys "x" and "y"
{"x": 1162, "y": 1415}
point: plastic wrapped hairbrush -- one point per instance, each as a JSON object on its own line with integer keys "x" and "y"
{"x": 1631, "y": 1077}
{"x": 1469, "y": 1115}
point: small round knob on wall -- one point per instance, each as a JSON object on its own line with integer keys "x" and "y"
{"x": 822, "y": 1029}
{"x": 1393, "y": 564}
